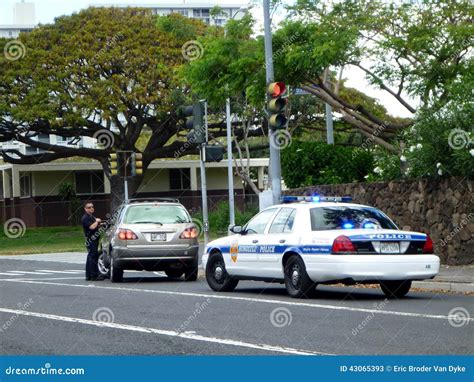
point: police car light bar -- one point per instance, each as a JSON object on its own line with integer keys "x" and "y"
{"x": 315, "y": 199}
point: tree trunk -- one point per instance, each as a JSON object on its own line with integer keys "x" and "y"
{"x": 117, "y": 190}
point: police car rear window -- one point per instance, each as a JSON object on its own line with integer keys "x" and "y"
{"x": 329, "y": 218}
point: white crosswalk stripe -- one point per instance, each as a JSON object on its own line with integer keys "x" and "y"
{"x": 11, "y": 274}
{"x": 71, "y": 272}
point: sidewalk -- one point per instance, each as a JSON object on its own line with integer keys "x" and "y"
{"x": 451, "y": 278}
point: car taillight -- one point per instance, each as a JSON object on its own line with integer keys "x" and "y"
{"x": 428, "y": 247}
{"x": 189, "y": 233}
{"x": 342, "y": 244}
{"x": 126, "y": 234}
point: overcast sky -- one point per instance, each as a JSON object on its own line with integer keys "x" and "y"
{"x": 47, "y": 10}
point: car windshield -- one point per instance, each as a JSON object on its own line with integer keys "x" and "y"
{"x": 156, "y": 214}
{"x": 343, "y": 217}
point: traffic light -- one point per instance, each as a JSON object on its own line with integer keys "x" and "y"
{"x": 276, "y": 106}
{"x": 113, "y": 164}
{"x": 214, "y": 153}
{"x": 195, "y": 123}
{"x": 137, "y": 164}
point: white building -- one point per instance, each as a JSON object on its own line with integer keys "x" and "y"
{"x": 24, "y": 20}
{"x": 200, "y": 11}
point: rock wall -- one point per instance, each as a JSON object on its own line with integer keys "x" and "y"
{"x": 443, "y": 208}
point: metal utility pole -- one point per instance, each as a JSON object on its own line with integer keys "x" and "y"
{"x": 329, "y": 125}
{"x": 230, "y": 172}
{"x": 275, "y": 165}
{"x": 202, "y": 150}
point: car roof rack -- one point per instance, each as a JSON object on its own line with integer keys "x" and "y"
{"x": 151, "y": 200}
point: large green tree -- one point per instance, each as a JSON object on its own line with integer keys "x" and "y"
{"x": 105, "y": 73}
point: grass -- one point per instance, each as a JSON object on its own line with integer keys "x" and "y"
{"x": 44, "y": 240}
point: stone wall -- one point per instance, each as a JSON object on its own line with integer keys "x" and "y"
{"x": 443, "y": 208}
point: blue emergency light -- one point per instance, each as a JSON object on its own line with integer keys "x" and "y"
{"x": 315, "y": 199}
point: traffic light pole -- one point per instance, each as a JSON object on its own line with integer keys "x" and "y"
{"x": 275, "y": 165}
{"x": 205, "y": 214}
{"x": 230, "y": 172}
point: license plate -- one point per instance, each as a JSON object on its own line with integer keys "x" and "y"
{"x": 389, "y": 247}
{"x": 158, "y": 237}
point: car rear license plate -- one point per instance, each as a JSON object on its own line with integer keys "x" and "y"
{"x": 158, "y": 237}
{"x": 389, "y": 248}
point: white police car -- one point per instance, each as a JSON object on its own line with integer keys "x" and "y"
{"x": 320, "y": 240}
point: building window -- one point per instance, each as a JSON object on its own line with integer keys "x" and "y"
{"x": 25, "y": 185}
{"x": 201, "y": 12}
{"x": 89, "y": 182}
{"x": 180, "y": 179}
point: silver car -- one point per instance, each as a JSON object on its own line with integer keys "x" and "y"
{"x": 150, "y": 235}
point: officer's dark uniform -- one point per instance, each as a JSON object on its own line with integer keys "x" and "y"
{"x": 92, "y": 245}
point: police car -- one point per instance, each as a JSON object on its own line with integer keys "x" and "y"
{"x": 313, "y": 240}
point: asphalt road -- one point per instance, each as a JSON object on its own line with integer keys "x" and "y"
{"x": 46, "y": 307}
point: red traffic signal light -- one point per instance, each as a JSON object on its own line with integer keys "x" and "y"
{"x": 276, "y": 89}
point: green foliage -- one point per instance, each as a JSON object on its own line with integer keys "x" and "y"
{"x": 219, "y": 217}
{"x": 311, "y": 163}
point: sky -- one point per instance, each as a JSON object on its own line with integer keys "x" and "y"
{"x": 47, "y": 10}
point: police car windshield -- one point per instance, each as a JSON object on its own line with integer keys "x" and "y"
{"x": 156, "y": 213}
{"x": 343, "y": 217}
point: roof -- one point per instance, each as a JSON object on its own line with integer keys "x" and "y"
{"x": 304, "y": 205}
{"x": 172, "y": 5}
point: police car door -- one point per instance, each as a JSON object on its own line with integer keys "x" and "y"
{"x": 249, "y": 243}
{"x": 279, "y": 236}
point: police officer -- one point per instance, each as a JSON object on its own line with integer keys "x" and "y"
{"x": 90, "y": 224}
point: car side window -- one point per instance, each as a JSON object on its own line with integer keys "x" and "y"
{"x": 259, "y": 222}
{"x": 283, "y": 222}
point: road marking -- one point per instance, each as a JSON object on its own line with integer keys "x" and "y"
{"x": 67, "y": 272}
{"x": 169, "y": 333}
{"x": 12, "y": 274}
{"x": 257, "y": 300}
{"x": 32, "y": 273}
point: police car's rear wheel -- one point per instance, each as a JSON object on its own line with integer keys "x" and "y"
{"x": 217, "y": 276}
{"x": 395, "y": 289}
{"x": 297, "y": 282}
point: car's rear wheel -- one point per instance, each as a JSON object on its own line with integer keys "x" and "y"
{"x": 116, "y": 274}
{"x": 395, "y": 289}
{"x": 174, "y": 273}
{"x": 297, "y": 282}
{"x": 217, "y": 276}
{"x": 103, "y": 269}
{"x": 191, "y": 273}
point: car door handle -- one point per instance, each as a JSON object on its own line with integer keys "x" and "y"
{"x": 282, "y": 241}
{"x": 255, "y": 241}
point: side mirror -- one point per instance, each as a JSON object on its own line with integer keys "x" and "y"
{"x": 237, "y": 229}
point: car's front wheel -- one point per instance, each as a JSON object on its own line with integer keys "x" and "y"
{"x": 217, "y": 276}
{"x": 297, "y": 282}
{"x": 395, "y": 289}
{"x": 116, "y": 274}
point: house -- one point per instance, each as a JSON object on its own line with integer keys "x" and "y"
{"x": 31, "y": 192}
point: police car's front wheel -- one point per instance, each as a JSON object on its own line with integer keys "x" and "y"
{"x": 217, "y": 276}
{"x": 297, "y": 282}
